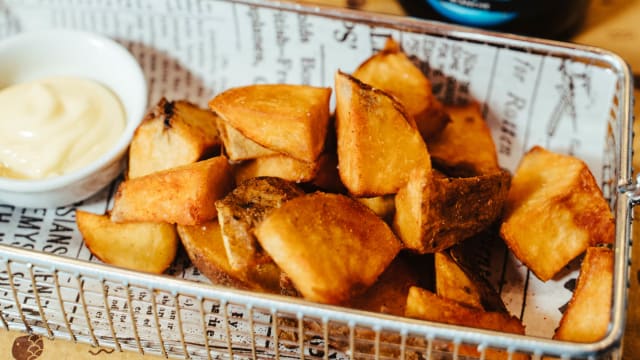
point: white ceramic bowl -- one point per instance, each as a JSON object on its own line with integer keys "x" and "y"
{"x": 34, "y": 55}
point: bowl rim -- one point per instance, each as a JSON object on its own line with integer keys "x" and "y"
{"x": 132, "y": 117}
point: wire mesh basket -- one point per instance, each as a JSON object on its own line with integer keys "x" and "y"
{"x": 193, "y": 49}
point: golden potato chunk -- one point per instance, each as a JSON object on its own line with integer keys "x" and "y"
{"x": 425, "y": 305}
{"x": 240, "y": 211}
{"x": 468, "y": 255}
{"x": 282, "y": 166}
{"x": 453, "y": 283}
{"x": 332, "y": 247}
{"x": 383, "y": 206}
{"x": 205, "y": 247}
{"x": 465, "y": 143}
{"x": 389, "y": 293}
{"x": 588, "y": 315}
{"x": 392, "y": 71}
{"x": 141, "y": 246}
{"x": 182, "y": 195}
{"x": 436, "y": 212}
{"x": 239, "y": 147}
{"x": 378, "y": 142}
{"x": 554, "y": 211}
{"x": 174, "y": 133}
{"x": 291, "y": 119}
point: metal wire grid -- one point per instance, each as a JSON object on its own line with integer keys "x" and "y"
{"x": 95, "y": 304}
{"x": 89, "y": 309}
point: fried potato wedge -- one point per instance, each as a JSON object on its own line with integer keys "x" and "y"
{"x": 378, "y": 142}
{"x": 436, "y": 212}
{"x": 141, "y": 246}
{"x": 205, "y": 247}
{"x": 389, "y": 293}
{"x": 240, "y": 211}
{"x": 425, "y": 305}
{"x": 392, "y": 71}
{"x": 239, "y": 147}
{"x": 453, "y": 283}
{"x": 554, "y": 211}
{"x": 291, "y": 119}
{"x": 174, "y": 133}
{"x": 458, "y": 282}
{"x": 331, "y": 246}
{"x": 282, "y": 166}
{"x": 182, "y": 195}
{"x": 468, "y": 256}
{"x": 588, "y": 315}
{"x": 465, "y": 143}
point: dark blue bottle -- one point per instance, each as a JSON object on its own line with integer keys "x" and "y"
{"x": 557, "y": 19}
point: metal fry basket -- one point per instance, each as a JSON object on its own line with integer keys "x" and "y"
{"x": 569, "y": 98}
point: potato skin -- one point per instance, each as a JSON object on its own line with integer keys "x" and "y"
{"x": 204, "y": 246}
{"x": 435, "y": 212}
{"x": 462, "y": 207}
{"x": 240, "y": 211}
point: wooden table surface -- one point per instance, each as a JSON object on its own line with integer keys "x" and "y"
{"x": 610, "y": 24}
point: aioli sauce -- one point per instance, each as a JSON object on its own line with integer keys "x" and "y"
{"x": 53, "y": 126}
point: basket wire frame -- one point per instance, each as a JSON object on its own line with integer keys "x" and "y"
{"x": 74, "y": 300}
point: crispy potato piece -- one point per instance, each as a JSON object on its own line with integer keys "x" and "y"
{"x": 466, "y": 142}
{"x": 242, "y": 210}
{"x": 183, "y": 195}
{"x": 389, "y": 293}
{"x": 291, "y": 119}
{"x": 282, "y": 166}
{"x": 425, "y": 305}
{"x": 378, "y": 143}
{"x": 392, "y": 71}
{"x": 468, "y": 255}
{"x": 174, "y": 133}
{"x": 462, "y": 207}
{"x": 383, "y": 206}
{"x": 554, "y": 211}
{"x": 587, "y": 317}
{"x": 332, "y": 247}
{"x": 436, "y": 212}
{"x": 142, "y": 246}
{"x": 457, "y": 281}
{"x": 453, "y": 283}
{"x": 238, "y": 147}
{"x": 205, "y": 247}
